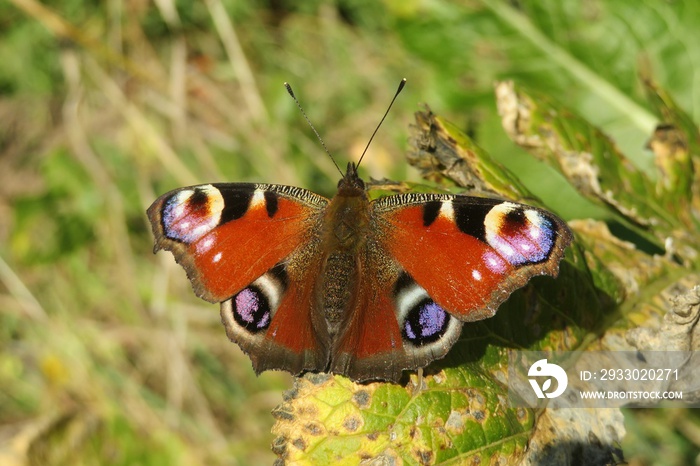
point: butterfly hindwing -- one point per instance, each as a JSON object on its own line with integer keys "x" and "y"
{"x": 272, "y": 320}
{"x": 395, "y": 325}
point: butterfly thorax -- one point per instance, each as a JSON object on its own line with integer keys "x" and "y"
{"x": 345, "y": 231}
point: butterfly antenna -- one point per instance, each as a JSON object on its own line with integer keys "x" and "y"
{"x": 398, "y": 91}
{"x": 318, "y": 136}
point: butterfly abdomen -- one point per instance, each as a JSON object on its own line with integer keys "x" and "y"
{"x": 338, "y": 280}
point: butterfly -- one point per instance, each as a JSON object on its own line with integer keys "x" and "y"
{"x": 348, "y": 285}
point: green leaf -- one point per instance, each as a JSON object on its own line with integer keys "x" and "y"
{"x": 455, "y": 417}
{"x": 585, "y": 156}
{"x": 676, "y": 147}
{"x": 442, "y": 152}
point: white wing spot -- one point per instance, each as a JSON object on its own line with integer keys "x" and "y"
{"x": 217, "y": 257}
{"x": 494, "y": 262}
{"x": 506, "y": 249}
{"x": 476, "y": 274}
{"x": 258, "y": 199}
{"x": 447, "y": 210}
{"x": 204, "y": 245}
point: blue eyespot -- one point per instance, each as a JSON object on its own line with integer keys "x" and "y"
{"x": 425, "y": 322}
{"x": 251, "y": 309}
{"x": 522, "y": 236}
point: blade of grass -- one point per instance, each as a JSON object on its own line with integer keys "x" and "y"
{"x": 140, "y": 124}
{"x": 239, "y": 62}
{"x": 641, "y": 117}
{"x": 21, "y": 293}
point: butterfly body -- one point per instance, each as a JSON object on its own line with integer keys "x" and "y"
{"x": 360, "y": 287}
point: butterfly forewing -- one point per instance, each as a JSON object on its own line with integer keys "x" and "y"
{"x": 227, "y": 235}
{"x": 469, "y": 253}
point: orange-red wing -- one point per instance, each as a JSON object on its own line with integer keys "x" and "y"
{"x": 469, "y": 253}
{"x": 227, "y": 235}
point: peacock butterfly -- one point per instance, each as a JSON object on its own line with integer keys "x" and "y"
{"x": 359, "y": 287}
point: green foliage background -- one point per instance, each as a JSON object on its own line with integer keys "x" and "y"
{"x": 106, "y": 355}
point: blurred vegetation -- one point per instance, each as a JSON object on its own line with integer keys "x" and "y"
{"x": 107, "y": 356}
